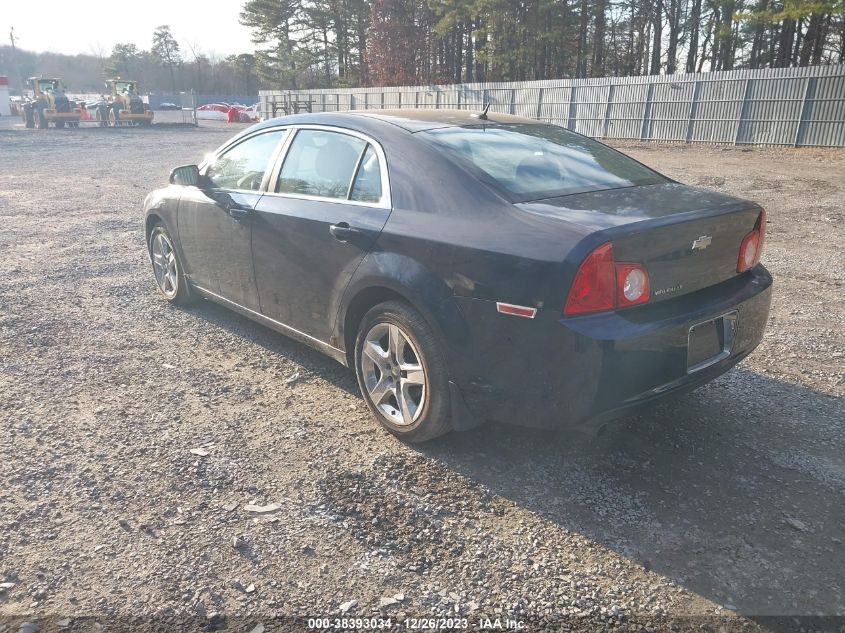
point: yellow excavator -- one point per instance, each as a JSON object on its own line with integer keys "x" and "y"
{"x": 125, "y": 105}
{"x": 46, "y": 102}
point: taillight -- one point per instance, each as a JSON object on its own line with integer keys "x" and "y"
{"x": 602, "y": 284}
{"x": 752, "y": 245}
{"x": 594, "y": 286}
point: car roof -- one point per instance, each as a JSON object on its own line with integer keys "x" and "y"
{"x": 408, "y": 119}
{"x": 418, "y": 119}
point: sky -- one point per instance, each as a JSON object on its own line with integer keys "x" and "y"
{"x": 65, "y": 26}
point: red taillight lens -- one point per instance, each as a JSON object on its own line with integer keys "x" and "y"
{"x": 594, "y": 287}
{"x": 602, "y": 284}
{"x": 752, "y": 245}
{"x": 631, "y": 284}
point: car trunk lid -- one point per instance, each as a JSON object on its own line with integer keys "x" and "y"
{"x": 687, "y": 238}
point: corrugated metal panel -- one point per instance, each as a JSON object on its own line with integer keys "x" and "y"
{"x": 590, "y": 105}
{"x": 626, "y": 111}
{"x": 717, "y": 111}
{"x": 825, "y": 113}
{"x": 670, "y": 107}
{"x": 782, "y": 106}
{"x": 555, "y": 106}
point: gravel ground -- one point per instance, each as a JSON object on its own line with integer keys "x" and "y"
{"x": 137, "y": 439}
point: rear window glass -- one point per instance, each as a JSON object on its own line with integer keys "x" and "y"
{"x": 367, "y": 187}
{"x": 535, "y": 161}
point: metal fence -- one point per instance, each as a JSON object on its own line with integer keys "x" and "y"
{"x": 201, "y": 99}
{"x": 781, "y": 106}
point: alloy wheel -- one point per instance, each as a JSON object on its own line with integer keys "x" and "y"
{"x": 394, "y": 374}
{"x": 164, "y": 265}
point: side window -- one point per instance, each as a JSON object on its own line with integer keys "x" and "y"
{"x": 367, "y": 187}
{"x": 243, "y": 166}
{"x": 320, "y": 163}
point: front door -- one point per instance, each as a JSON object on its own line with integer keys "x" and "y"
{"x": 329, "y": 203}
{"x": 215, "y": 220}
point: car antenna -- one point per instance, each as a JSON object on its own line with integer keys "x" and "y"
{"x": 483, "y": 114}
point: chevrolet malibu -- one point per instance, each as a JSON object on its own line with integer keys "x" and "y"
{"x": 469, "y": 267}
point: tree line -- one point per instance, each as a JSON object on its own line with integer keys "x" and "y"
{"x": 348, "y": 43}
{"x": 167, "y": 66}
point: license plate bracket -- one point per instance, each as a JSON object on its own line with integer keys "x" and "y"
{"x": 710, "y": 341}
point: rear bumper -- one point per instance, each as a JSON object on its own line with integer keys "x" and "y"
{"x": 557, "y": 372}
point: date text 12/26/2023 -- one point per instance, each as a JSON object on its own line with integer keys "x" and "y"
{"x": 413, "y": 624}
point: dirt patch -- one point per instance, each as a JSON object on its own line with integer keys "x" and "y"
{"x": 729, "y": 499}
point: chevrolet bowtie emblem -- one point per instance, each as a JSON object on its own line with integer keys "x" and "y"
{"x": 702, "y": 242}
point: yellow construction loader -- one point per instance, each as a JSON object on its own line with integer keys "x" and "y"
{"x": 125, "y": 106}
{"x": 47, "y": 103}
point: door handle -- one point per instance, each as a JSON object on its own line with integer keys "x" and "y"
{"x": 238, "y": 211}
{"x": 342, "y": 232}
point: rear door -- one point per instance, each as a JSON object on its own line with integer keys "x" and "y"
{"x": 328, "y": 202}
{"x": 215, "y": 221}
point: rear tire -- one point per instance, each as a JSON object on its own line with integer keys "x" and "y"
{"x": 167, "y": 267}
{"x": 402, "y": 373}
{"x": 40, "y": 122}
{"x": 28, "y": 117}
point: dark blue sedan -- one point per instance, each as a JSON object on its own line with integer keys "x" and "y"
{"x": 468, "y": 266}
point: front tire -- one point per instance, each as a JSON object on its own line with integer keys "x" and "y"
{"x": 167, "y": 268}
{"x": 401, "y": 372}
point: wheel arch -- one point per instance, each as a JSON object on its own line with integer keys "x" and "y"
{"x": 390, "y": 276}
{"x": 366, "y": 299}
{"x": 150, "y": 222}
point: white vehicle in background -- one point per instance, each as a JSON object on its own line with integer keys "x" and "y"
{"x": 220, "y": 112}
{"x": 213, "y": 112}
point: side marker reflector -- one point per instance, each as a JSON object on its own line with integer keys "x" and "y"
{"x": 521, "y": 311}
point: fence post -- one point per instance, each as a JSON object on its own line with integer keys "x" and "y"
{"x": 646, "y": 111}
{"x": 513, "y": 101}
{"x": 610, "y": 91}
{"x": 540, "y": 103}
{"x": 807, "y": 99}
{"x": 572, "y": 115}
{"x": 693, "y": 110}
{"x": 743, "y": 111}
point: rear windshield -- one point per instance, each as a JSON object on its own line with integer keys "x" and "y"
{"x": 534, "y": 161}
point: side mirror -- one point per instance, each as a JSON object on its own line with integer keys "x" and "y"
{"x": 187, "y": 175}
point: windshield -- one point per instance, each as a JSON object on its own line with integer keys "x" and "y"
{"x": 48, "y": 85}
{"x": 124, "y": 86}
{"x": 534, "y": 161}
